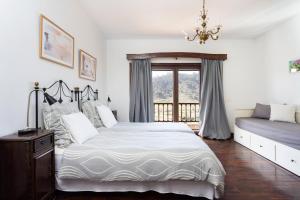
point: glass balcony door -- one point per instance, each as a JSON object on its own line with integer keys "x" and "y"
{"x": 176, "y": 92}
{"x": 163, "y": 89}
{"x": 188, "y": 97}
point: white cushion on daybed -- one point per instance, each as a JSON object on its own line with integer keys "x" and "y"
{"x": 283, "y": 113}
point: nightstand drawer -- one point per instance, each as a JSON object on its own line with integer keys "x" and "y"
{"x": 43, "y": 143}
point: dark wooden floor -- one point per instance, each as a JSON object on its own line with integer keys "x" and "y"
{"x": 249, "y": 176}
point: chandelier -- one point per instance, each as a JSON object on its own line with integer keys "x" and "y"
{"x": 202, "y": 32}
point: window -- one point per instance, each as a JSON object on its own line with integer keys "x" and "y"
{"x": 163, "y": 88}
{"x": 176, "y": 92}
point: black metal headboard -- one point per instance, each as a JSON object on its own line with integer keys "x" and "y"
{"x": 62, "y": 90}
{"x": 88, "y": 93}
{"x": 59, "y": 91}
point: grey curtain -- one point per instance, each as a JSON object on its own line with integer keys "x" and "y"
{"x": 141, "y": 95}
{"x": 213, "y": 118}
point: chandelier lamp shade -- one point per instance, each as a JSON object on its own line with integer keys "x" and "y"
{"x": 202, "y": 33}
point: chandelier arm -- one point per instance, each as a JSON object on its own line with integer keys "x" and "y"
{"x": 212, "y": 32}
{"x": 213, "y": 38}
{"x": 194, "y": 37}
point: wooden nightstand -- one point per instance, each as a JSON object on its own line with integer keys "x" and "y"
{"x": 27, "y": 169}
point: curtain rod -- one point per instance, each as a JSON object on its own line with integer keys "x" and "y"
{"x": 177, "y": 55}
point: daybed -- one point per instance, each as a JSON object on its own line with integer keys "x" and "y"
{"x": 276, "y": 141}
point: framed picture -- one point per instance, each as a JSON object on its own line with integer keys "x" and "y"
{"x": 87, "y": 66}
{"x": 294, "y": 66}
{"x": 56, "y": 45}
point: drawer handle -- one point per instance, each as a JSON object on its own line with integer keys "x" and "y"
{"x": 42, "y": 142}
{"x": 241, "y": 137}
{"x": 260, "y": 146}
{"x": 293, "y": 161}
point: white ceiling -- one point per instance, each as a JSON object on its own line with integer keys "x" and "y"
{"x": 168, "y": 18}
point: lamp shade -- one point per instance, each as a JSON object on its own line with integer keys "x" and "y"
{"x": 51, "y": 100}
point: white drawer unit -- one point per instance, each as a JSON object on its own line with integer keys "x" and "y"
{"x": 288, "y": 158}
{"x": 242, "y": 137}
{"x": 263, "y": 146}
{"x": 285, "y": 156}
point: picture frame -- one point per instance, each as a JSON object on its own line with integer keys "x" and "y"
{"x": 294, "y": 66}
{"x": 56, "y": 45}
{"x": 87, "y": 66}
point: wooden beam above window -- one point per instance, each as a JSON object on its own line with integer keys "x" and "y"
{"x": 177, "y": 55}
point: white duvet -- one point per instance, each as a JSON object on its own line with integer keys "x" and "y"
{"x": 142, "y": 156}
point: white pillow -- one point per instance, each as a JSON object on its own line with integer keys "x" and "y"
{"x": 79, "y": 126}
{"x": 106, "y": 115}
{"x": 284, "y": 113}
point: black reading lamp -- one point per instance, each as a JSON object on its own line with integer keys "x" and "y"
{"x": 49, "y": 99}
{"x": 108, "y": 100}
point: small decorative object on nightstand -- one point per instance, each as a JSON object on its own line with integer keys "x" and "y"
{"x": 27, "y": 166}
{"x": 115, "y": 112}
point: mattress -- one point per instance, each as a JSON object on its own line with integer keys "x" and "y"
{"x": 166, "y": 162}
{"x": 283, "y": 132}
{"x": 151, "y": 127}
{"x": 190, "y": 188}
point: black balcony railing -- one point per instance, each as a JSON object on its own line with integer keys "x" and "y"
{"x": 187, "y": 112}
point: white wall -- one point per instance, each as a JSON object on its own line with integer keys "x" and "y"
{"x": 256, "y": 70}
{"x": 243, "y": 77}
{"x": 277, "y": 47}
{"x": 20, "y": 64}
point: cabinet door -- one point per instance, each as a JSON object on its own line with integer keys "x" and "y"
{"x": 44, "y": 175}
{"x": 15, "y": 171}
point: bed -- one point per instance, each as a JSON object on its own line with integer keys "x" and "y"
{"x": 166, "y": 162}
{"x": 162, "y": 157}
